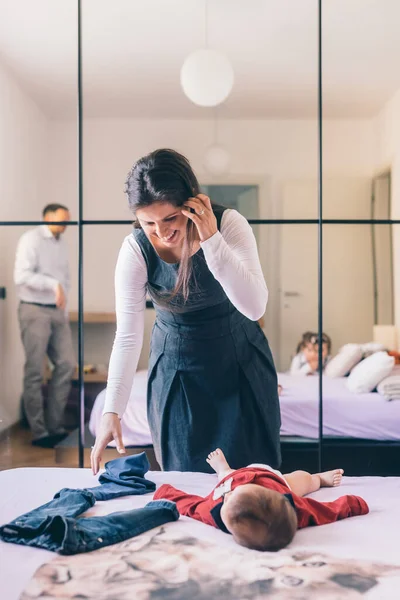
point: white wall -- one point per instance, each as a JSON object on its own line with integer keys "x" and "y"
{"x": 23, "y": 192}
{"x": 259, "y": 149}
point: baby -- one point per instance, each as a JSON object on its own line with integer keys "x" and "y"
{"x": 262, "y": 508}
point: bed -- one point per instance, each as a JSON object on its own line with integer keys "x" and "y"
{"x": 345, "y": 414}
{"x": 350, "y": 559}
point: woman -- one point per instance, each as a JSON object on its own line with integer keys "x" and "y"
{"x": 211, "y": 379}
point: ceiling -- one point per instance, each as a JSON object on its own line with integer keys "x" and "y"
{"x": 133, "y": 51}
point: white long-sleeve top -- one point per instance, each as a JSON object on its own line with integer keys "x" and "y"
{"x": 232, "y": 257}
{"x": 300, "y": 365}
{"x": 41, "y": 263}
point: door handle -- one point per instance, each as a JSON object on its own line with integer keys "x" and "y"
{"x": 291, "y": 294}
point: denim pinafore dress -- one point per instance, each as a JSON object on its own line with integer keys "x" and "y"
{"x": 211, "y": 379}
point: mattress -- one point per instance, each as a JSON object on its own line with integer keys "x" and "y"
{"x": 345, "y": 414}
{"x": 373, "y": 537}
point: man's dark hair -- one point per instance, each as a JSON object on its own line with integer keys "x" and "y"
{"x": 53, "y": 208}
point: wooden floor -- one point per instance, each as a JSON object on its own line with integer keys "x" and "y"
{"x": 16, "y": 450}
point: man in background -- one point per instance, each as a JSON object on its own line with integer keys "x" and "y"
{"x": 42, "y": 279}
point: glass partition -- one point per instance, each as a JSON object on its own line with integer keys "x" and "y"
{"x": 38, "y": 72}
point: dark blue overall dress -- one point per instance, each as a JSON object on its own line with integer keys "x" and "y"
{"x": 212, "y": 381}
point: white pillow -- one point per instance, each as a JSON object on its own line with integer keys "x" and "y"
{"x": 367, "y": 374}
{"x": 341, "y": 364}
{"x": 372, "y": 347}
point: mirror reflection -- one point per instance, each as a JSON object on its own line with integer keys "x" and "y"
{"x": 255, "y": 153}
{"x": 38, "y": 58}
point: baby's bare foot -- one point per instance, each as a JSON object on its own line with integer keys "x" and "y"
{"x": 331, "y": 478}
{"x": 217, "y": 461}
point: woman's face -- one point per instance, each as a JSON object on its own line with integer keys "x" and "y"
{"x": 163, "y": 223}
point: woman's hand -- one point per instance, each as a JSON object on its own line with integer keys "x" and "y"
{"x": 110, "y": 428}
{"x": 203, "y": 216}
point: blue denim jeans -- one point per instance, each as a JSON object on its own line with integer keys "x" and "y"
{"x": 55, "y": 526}
{"x": 124, "y": 476}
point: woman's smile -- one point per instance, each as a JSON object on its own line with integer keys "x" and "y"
{"x": 170, "y": 238}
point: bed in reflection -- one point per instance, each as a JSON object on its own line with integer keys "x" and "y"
{"x": 347, "y": 416}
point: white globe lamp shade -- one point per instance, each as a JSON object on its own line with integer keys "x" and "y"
{"x": 207, "y": 77}
{"x": 217, "y": 160}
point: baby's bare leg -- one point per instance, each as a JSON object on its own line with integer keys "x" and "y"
{"x": 303, "y": 483}
{"x": 219, "y": 463}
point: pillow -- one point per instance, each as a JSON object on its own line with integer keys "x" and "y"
{"x": 389, "y": 387}
{"x": 341, "y": 364}
{"x": 367, "y": 374}
{"x": 371, "y": 348}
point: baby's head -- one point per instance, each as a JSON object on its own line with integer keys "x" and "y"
{"x": 259, "y": 518}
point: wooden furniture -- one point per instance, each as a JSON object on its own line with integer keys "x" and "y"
{"x": 88, "y": 318}
{"x": 93, "y": 317}
{"x": 88, "y": 377}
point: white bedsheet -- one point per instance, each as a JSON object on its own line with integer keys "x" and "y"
{"x": 371, "y": 537}
{"x": 345, "y": 414}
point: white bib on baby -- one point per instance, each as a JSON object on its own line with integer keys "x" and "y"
{"x": 223, "y": 489}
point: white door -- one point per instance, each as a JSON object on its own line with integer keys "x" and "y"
{"x": 299, "y": 264}
{"x": 383, "y": 253}
{"x": 347, "y": 266}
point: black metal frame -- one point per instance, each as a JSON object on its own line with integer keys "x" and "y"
{"x": 320, "y": 240}
{"x": 319, "y": 221}
{"x": 316, "y": 221}
{"x": 81, "y": 381}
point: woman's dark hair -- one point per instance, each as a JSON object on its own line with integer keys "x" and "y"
{"x": 166, "y": 176}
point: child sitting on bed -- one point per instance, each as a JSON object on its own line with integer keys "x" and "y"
{"x": 260, "y": 507}
{"x": 306, "y": 360}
